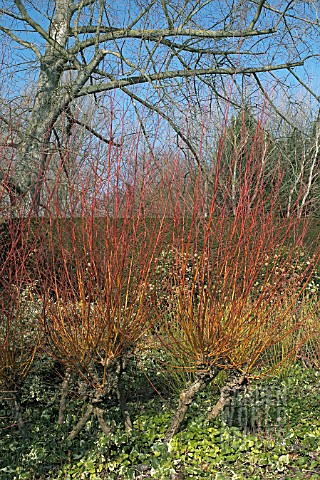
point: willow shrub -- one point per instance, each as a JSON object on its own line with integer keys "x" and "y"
{"x": 96, "y": 290}
{"x": 232, "y": 281}
{"x": 19, "y": 304}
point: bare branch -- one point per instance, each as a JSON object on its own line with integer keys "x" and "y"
{"x": 165, "y": 9}
{"x": 19, "y": 40}
{"x": 26, "y": 17}
{"x": 317, "y": 97}
{"x": 157, "y": 110}
{"x": 142, "y": 14}
{"x": 95, "y": 133}
{"x": 257, "y": 14}
{"x": 262, "y": 89}
{"x": 113, "y": 33}
{"x": 102, "y": 87}
{"x": 83, "y": 3}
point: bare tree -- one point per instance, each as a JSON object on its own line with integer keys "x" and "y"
{"x": 148, "y": 50}
{"x": 300, "y": 162}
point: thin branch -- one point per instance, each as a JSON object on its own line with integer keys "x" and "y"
{"x": 95, "y": 133}
{"x": 10, "y": 185}
{"x": 196, "y": 9}
{"x": 128, "y": 62}
{"x": 81, "y": 5}
{"x": 10, "y": 14}
{"x": 166, "y": 117}
{"x": 263, "y": 91}
{"x": 257, "y": 14}
{"x": 282, "y": 14}
{"x": 184, "y": 47}
{"x": 24, "y": 43}
{"x": 63, "y": 160}
{"x": 269, "y": 7}
{"x": 317, "y": 97}
{"x": 142, "y": 14}
{"x": 9, "y": 123}
{"x": 165, "y": 10}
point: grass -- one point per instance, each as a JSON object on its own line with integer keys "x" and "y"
{"x": 272, "y": 430}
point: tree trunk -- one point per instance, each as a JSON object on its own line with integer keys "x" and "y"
{"x": 234, "y": 383}
{"x": 49, "y": 102}
{"x": 83, "y": 420}
{"x": 64, "y": 396}
{"x": 121, "y": 397}
{"x": 14, "y": 403}
{"x": 186, "y": 399}
{"x": 92, "y": 409}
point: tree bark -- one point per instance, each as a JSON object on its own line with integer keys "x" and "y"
{"x": 186, "y": 399}
{"x": 14, "y": 404}
{"x": 64, "y": 396}
{"x": 122, "y": 399}
{"x": 48, "y": 104}
{"x": 83, "y": 420}
{"x": 235, "y": 383}
{"x": 104, "y": 427}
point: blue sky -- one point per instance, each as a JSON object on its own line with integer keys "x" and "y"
{"x": 24, "y": 70}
